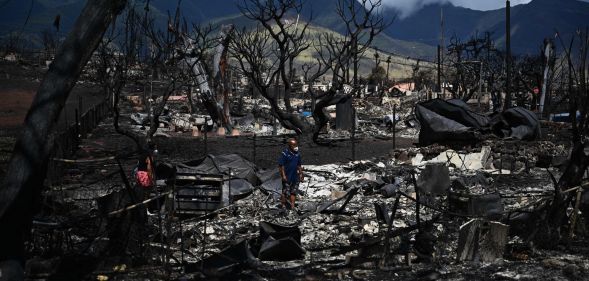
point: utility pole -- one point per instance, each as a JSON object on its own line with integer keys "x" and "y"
{"x": 355, "y": 63}
{"x": 547, "y": 57}
{"x": 442, "y": 49}
{"x": 376, "y": 58}
{"x": 507, "y": 55}
{"x": 480, "y": 84}
{"x": 439, "y": 68}
{"x": 377, "y": 63}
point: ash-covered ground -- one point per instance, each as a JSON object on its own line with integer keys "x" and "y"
{"x": 91, "y": 225}
{"x": 72, "y": 237}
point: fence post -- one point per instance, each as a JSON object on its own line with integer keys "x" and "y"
{"x": 254, "y": 157}
{"x": 77, "y": 124}
{"x": 353, "y": 133}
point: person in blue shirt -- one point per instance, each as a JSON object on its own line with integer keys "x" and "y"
{"x": 291, "y": 172}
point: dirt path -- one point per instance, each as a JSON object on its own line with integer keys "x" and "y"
{"x": 268, "y": 149}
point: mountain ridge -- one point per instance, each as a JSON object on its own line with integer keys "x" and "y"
{"x": 531, "y": 22}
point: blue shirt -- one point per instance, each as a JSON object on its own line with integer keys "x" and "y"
{"x": 291, "y": 162}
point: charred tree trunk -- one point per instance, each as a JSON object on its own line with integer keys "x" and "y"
{"x": 205, "y": 95}
{"x": 287, "y": 79}
{"x": 549, "y": 232}
{"x": 28, "y": 165}
{"x": 221, "y": 67}
{"x": 320, "y": 116}
{"x": 191, "y": 101}
{"x": 288, "y": 120}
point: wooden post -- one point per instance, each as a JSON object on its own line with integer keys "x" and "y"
{"x": 353, "y": 133}
{"x": 481, "y": 240}
{"x": 387, "y": 241}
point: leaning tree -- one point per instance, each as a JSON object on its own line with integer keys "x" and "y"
{"x": 27, "y": 168}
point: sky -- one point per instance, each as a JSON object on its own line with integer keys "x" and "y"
{"x": 407, "y": 7}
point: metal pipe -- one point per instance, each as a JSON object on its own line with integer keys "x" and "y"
{"x": 254, "y": 156}
{"x": 206, "y": 136}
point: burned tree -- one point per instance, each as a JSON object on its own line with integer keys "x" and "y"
{"x": 363, "y": 22}
{"x": 258, "y": 61}
{"x": 527, "y": 80}
{"x": 221, "y": 71}
{"x": 194, "y": 49}
{"x": 288, "y": 41}
{"x": 470, "y": 60}
{"x": 162, "y": 64}
{"x": 569, "y": 188}
{"x": 270, "y": 50}
{"x": 28, "y": 164}
{"x": 117, "y": 54}
{"x": 135, "y": 53}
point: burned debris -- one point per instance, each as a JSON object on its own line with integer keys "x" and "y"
{"x": 220, "y": 216}
{"x": 209, "y": 155}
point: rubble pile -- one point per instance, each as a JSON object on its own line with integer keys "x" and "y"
{"x": 456, "y": 211}
{"x": 253, "y": 116}
{"x": 353, "y": 220}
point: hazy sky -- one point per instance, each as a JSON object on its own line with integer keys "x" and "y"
{"x": 406, "y": 7}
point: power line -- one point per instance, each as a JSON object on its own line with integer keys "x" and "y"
{"x": 26, "y": 20}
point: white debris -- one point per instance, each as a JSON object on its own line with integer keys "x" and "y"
{"x": 462, "y": 161}
{"x": 369, "y": 176}
{"x": 399, "y": 224}
{"x": 320, "y": 193}
{"x": 371, "y": 227}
